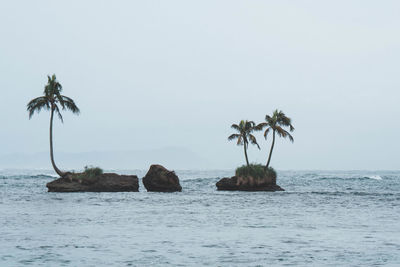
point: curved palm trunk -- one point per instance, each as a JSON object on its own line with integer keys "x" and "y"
{"x": 51, "y": 146}
{"x": 272, "y": 148}
{"x": 245, "y": 154}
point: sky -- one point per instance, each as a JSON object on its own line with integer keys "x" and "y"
{"x": 160, "y": 75}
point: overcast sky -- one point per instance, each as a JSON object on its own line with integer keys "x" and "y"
{"x": 156, "y": 74}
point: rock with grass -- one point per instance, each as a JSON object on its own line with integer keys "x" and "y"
{"x": 159, "y": 179}
{"x": 254, "y": 177}
{"x": 94, "y": 180}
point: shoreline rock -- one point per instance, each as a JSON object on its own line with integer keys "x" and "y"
{"x": 106, "y": 182}
{"x": 159, "y": 179}
{"x": 238, "y": 183}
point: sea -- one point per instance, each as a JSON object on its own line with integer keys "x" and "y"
{"x": 324, "y": 218}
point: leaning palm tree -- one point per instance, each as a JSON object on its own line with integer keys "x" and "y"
{"x": 245, "y": 128}
{"x": 275, "y": 123}
{"x": 52, "y": 100}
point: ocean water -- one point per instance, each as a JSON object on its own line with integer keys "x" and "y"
{"x": 336, "y": 218}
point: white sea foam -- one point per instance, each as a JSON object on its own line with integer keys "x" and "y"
{"x": 375, "y": 177}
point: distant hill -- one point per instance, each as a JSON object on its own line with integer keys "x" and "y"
{"x": 171, "y": 157}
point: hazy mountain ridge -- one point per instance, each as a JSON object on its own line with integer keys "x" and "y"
{"x": 171, "y": 157}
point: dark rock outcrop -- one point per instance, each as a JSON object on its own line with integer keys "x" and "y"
{"x": 159, "y": 179}
{"x": 238, "y": 183}
{"x": 106, "y": 182}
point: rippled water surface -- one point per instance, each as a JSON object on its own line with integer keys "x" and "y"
{"x": 322, "y": 219}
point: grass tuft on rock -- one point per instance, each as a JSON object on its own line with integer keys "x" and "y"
{"x": 91, "y": 172}
{"x": 255, "y": 170}
{"x": 89, "y": 176}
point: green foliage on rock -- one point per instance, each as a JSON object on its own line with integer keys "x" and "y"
{"x": 270, "y": 172}
{"x": 88, "y": 176}
{"x": 91, "y": 172}
{"x": 256, "y": 171}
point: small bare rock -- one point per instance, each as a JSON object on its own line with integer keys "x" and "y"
{"x": 159, "y": 179}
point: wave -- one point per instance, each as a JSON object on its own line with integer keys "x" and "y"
{"x": 199, "y": 179}
{"x": 45, "y": 176}
{"x": 375, "y": 177}
{"x": 36, "y": 176}
{"x": 363, "y": 177}
{"x": 344, "y": 193}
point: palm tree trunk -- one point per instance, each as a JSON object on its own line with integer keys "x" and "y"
{"x": 245, "y": 153}
{"x": 51, "y": 145}
{"x": 272, "y": 148}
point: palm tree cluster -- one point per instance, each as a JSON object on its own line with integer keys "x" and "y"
{"x": 275, "y": 124}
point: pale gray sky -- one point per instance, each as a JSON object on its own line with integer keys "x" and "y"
{"x": 154, "y": 74}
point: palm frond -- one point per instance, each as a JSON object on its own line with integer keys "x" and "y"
{"x": 233, "y": 136}
{"x": 70, "y": 104}
{"x": 57, "y": 84}
{"x": 250, "y": 124}
{"x": 235, "y": 126}
{"x": 261, "y": 126}
{"x": 266, "y": 132}
{"x": 36, "y": 105}
{"x": 240, "y": 140}
{"x": 283, "y": 133}
{"x": 283, "y": 119}
{"x": 47, "y": 87}
{"x": 59, "y": 98}
{"x": 290, "y": 137}
{"x": 253, "y": 140}
{"x": 57, "y": 110}
{"x": 280, "y": 131}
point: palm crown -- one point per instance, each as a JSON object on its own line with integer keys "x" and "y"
{"x": 51, "y": 98}
{"x": 244, "y": 135}
{"x": 275, "y": 123}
